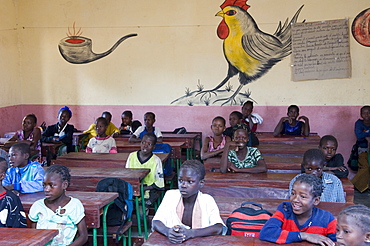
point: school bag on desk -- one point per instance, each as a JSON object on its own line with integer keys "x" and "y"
{"x": 247, "y": 221}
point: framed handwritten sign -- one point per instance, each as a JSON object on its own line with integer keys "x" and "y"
{"x": 320, "y": 50}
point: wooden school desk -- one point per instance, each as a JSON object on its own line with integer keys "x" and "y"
{"x": 227, "y": 205}
{"x": 273, "y": 163}
{"x": 296, "y": 150}
{"x": 26, "y": 236}
{"x": 86, "y": 179}
{"x": 188, "y": 138}
{"x": 268, "y": 138}
{"x": 82, "y": 159}
{"x": 157, "y": 239}
{"x": 228, "y": 183}
{"x": 124, "y": 146}
{"x": 93, "y": 202}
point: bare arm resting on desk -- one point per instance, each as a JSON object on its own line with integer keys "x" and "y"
{"x": 179, "y": 233}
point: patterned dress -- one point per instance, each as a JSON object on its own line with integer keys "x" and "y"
{"x": 250, "y": 160}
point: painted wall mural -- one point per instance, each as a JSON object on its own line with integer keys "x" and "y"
{"x": 78, "y": 50}
{"x": 249, "y": 51}
{"x": 361, "y": 28}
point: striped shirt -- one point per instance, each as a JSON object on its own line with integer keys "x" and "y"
{"x": 283, "y": 226}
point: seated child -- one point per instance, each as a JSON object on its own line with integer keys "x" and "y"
{"x": 299, "y": 220}
{"x": 145, "y": 158}
{"x": 250, "y": 118}
{"x": 362, "y": 131}
{"x": 111, "y": 129}
{"x": 11, "y": 209}
{"x": 214, "y": 145}
{"x": 334, "y": 161}
{"x": 57, "y": 211}
{"x": 23, "y": 175}
{"x": 313, "y": 163}
{"x": 291, "y": 126}
{"x": 235, "y": 118}
{"x": 353, "y": 228}
{"x": 30, "y": 134}
{"x": 102, "y": 143}
{"x": 149, "y": 119}
{"x": 188, "y": 213}
{"x": 128, "y": 126}
{"x": 61, "y": 132}
{"x": 238, "y": 157}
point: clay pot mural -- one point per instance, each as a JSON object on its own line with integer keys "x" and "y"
{"x": 361, "y": 28}
{"x": 78, "y": 49}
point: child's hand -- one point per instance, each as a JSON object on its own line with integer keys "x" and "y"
{"x": 232, "y": 145}
{"x": 303, "y": 118}
{"x": 175, "y": 234}
{"x": 342, "y": 168}
{"x": 317, "y": 239}
{"x": 290, "y": 120}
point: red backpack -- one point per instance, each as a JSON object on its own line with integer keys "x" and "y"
{"x": 247, "y": 221}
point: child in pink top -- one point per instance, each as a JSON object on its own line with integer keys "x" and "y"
{"x": 214, "y": 145}
{"x": 29, "y": 134}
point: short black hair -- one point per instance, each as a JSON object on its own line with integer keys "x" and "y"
{"x": 150, "y": 113}
{"x": 328, "y": 138}
{"x": 22, "y": 147}
{"x": 315, "y": 182}
{"x": 313, "y": 155}
{"x": 128, "y": 113}
{"x": 293, "y": 106}
{"x": 196, "y": 166}
{"x": 102, "y": 120}
{"x": 151, "y": 136}
{"x": 220, "y": 118}
{"x": 33, "y": 117}
{"x": 107, "y": 113}
{"x": 237, "y": 114}
{"x": 61, "y": 170}
{"x": 361, "y": 215}
{"x": 242, "y": 126}
{"x": 248, "y": 102}
{"x": 362, "y": 108}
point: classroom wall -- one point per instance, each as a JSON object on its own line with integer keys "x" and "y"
{"x": 11, "y": 93}
{"x": 176, "y": 48}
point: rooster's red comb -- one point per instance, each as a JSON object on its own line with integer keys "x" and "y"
{"x": 241, "y": 3}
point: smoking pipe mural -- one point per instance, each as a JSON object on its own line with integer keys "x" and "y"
{"x": 78, "y": 50}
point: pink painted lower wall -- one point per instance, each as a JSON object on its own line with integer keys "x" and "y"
{"x": 335, "y": 120}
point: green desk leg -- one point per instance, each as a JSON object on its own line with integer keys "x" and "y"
{"x": 95, "y": 236}
{"x": 178, "y": 165}
{"x": 105, "y": 236}
{"x": 143, "y": 211}
{"x": 188, "y": 154}
{"x": 137, "y": 208}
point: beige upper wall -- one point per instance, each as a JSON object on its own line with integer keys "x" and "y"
{"x": 9, "y": 53}
{"x": 176, "y": 46}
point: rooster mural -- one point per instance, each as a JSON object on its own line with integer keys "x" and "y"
{"x": 250, "y": 53}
